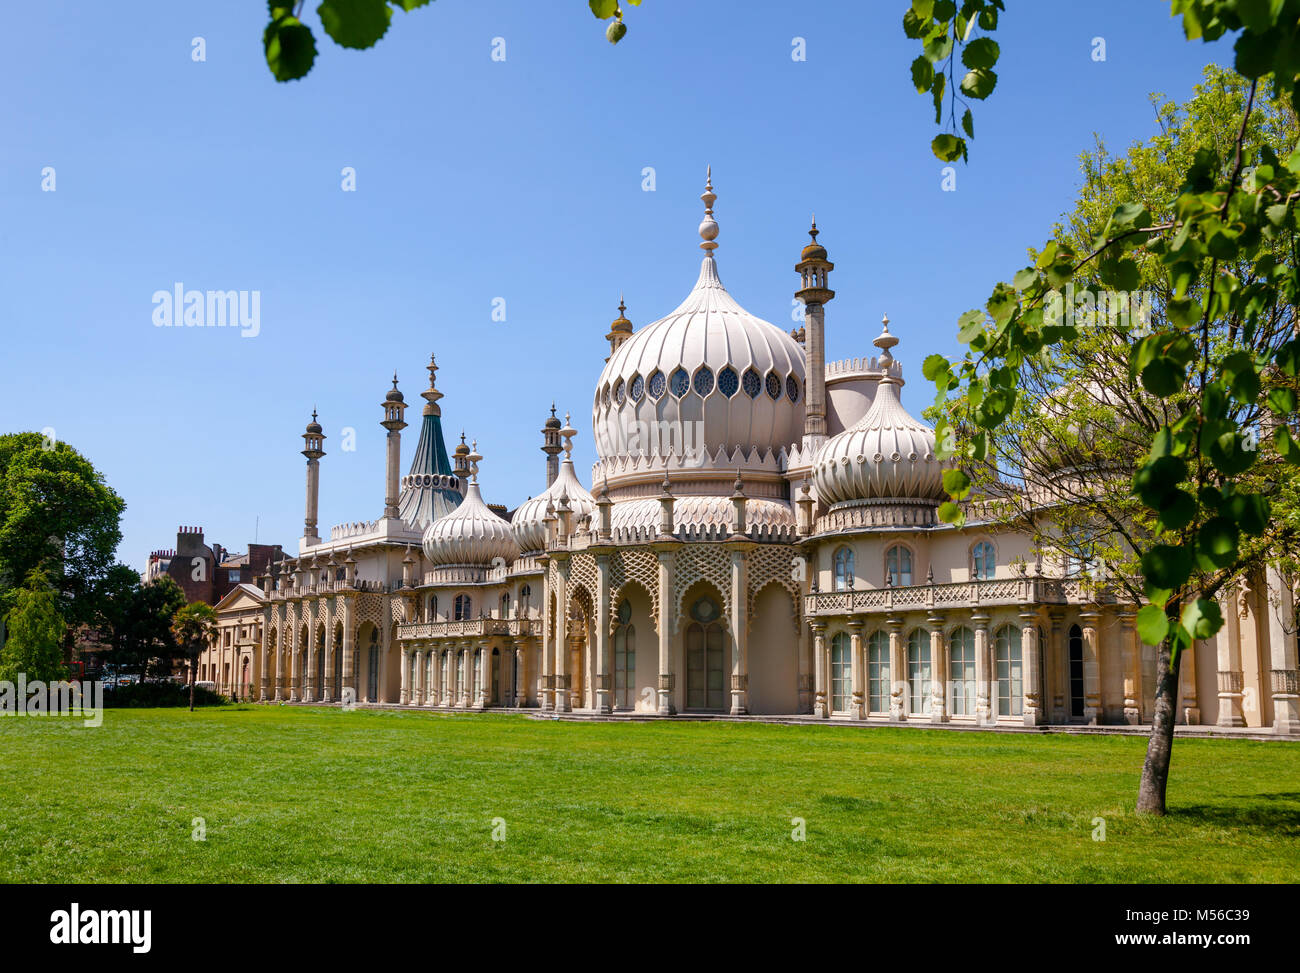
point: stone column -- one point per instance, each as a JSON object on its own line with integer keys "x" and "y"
{"x": 1230, "y": 678}
{"x": 433, "y": 666}
{"x": 603, "y": 660}
{"x": 447, "y": 659}
{"x": 667, "y": 626}
{"x": 467, "y": 687}
{"x": 266, "y": 657}
{"x": 521, "y": 673}
{"x": 562, "y": 699}
{"x": 1092, "y": 714}
{"x": 484, "y": 654}
{"x": 857, "y": 671}
{"x": 1284, "y": 673}
{"x": 1190, "y": 708}
{"x": 984, "y": 710}
{"x": 347, "y": 693}
{"x": 1058, "y": 667}
{"x": 285, "y": 644}
{"x": 821, "y": 698}
{"x": 310, "y": 690}
{"x": 938, "y": 671}
{"x": 1031, "y": 670}
{"x": 295, "y": 672}
{"x": 897, "y": 671}
{"x": 1132, "y": 669}
{"x": 407, "y": 688}
{"x": 550, "y": 630}
{"x": 328, "y": 691}
{"x": 418, "y": 677}
{"x": 740, "y": 633}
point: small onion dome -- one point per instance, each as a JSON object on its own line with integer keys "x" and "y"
{"x": 529, "y": 522}
{"x": 471, "y": 535}
{"x": 887, "y": 455}
{"x": 813, "y": 250}
{"x": 314, "y": 426}
{"x": 462, "y": 449}
{"x": 394, "y": 395}
{"x": 553, "y": 422}
{"x": 620, "y": 325}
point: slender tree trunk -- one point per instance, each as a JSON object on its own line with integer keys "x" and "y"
{"x": 1155, "y": 770}
{"x": 194, "y": 665}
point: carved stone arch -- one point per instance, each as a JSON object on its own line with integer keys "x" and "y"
{"x": 641, "y": 566}
{"x": 617, "y": 594}
{"x": 703, "y": 562}
{"x": 756, "y": 590}
{"x": 682, "y": 608}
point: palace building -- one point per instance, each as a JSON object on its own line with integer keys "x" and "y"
{"x": 758, "y": 535}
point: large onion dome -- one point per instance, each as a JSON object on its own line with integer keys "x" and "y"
{"x": 471, "y": 535}
{"x": 529, "y": 521}
{"x": 887, "y": 455}
{"x": 714, "y": 374}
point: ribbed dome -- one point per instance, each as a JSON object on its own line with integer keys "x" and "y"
{"x": 887, "y": 455}
{"x": 529, "y": 522}
{"x": 470, "y": 535}
{"x": 708, "y": 361}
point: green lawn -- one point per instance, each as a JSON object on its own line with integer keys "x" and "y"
{"x": 320, "y": 795}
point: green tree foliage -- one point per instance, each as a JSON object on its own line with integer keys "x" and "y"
{"x": 136, "y": 618}
{"x": 193, "y": 627}
{"x": 1211, "y": 383}
{"x": 290, "y": 45}
{"x": 56, "y": 513}
{"x": 35, "y": 630}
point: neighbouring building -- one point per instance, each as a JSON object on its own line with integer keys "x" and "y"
{"x": 759, "y": 536}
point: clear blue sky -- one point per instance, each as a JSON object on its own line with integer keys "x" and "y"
{"x": 480, "y": 179}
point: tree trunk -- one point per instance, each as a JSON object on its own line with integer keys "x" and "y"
{"x": 194, "y": 666}
{"x": 1155, "y": 770}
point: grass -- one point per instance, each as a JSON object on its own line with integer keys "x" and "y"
{"x": 320, "y": 795}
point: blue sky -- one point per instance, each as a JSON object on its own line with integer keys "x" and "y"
{"x": 478, "y": 179}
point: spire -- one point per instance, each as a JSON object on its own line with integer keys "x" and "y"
{"x": 474, "y": 458}
{"x": 709, "y": 226}
{"x": 568, "y": 432}
{"x": 620, "y": 329}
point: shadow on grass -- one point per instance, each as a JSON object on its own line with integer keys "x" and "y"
{"x": 1277, "y": 818}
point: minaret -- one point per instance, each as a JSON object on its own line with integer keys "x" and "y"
{"x": 813, "y": 268}
{"x": 551, "y": 446}
{"x": 394, "y": 421}
{"x": 620, "y": 330}
{"x": 313, "y": 440}
{"x": 460, "y": 460}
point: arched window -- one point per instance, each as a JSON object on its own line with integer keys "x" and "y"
{"x": 1081, "y": 554}
{"x": 624, "y": 658}
{"x": 705, "y": 651}
{"x": 983, "y": 561}
{"x": 524, "y": 594}
{"x": 372, "y": 668}
{"x": 1076, "y": 672}
{"x": 431, "y": 612}
{"x": 841, "y": 672}
{"x": 843, "y": 569}
{"x": 462, "y": 608}
{"x": 918, "y": 672}
{"x": 1007, "y": 670}
{"x": 505, "y": 604}
{"x": 898, "y": 565}
{"x": 961, "y": 672}
{"x": 878, "y": 673}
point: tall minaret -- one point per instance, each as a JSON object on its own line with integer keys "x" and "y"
{"x": 394, "y": 421}
{"x": 813, "y": 268}
{"x": 551, "y": 446}
{"x": 313, "y": 440}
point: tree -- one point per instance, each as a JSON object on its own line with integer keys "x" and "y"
{"x": 35, "y": 634}
{"x": 136, "y": 618}
{"x": 57, "y": 514}
{"x": 193, "y": 628}
{"x": 290, "y": 45}
{"x": 1218, "y": 366}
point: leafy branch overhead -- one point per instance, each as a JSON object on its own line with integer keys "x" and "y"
{"x": 290, "y": 45}
{"x": 947, "y": 33}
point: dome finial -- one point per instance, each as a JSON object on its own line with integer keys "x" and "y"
{"x": 884, "y": 343}
{"x": 431, "y": 394}
{"x": 568, "y": 432}
{"x": 474, "y": 458}
{"x": 708, "y": 226}
{"x": 812, "y": 230}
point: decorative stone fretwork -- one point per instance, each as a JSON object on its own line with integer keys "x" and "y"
{"x": 703, "y": 562}
{"x": 1285, "y": 681}
{"x": 768, "y": 563}
{"x": 635, "y": 565}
